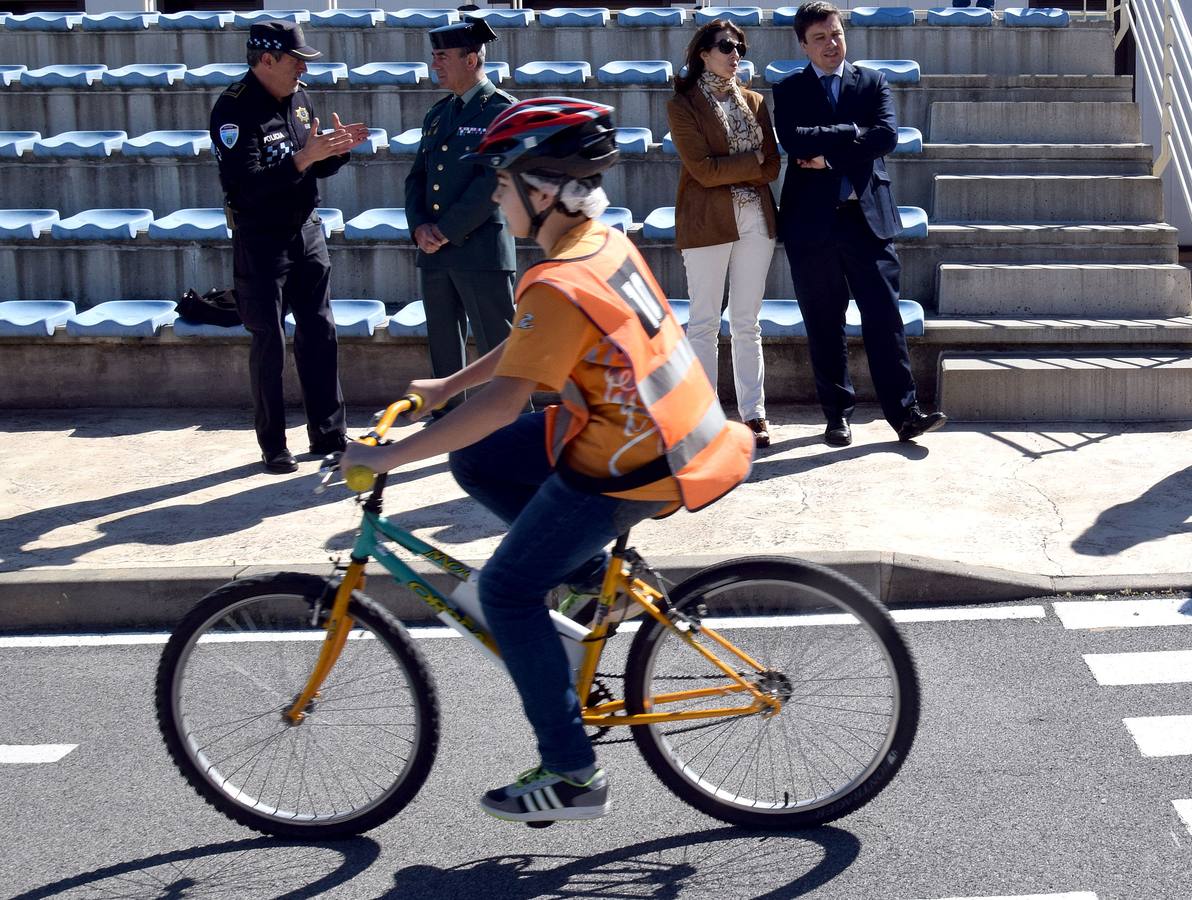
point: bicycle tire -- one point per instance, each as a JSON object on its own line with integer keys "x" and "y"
{"x": 241, "y": 656}
{"x": 765, "y": 605}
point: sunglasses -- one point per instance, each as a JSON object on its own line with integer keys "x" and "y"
{"x": 726, "y": 47}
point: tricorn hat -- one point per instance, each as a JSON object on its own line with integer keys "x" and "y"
{"x": 462, "y": 34}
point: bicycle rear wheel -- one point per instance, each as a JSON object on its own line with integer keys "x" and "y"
{"x": 831, "y": 654}
{"x": 242, "y": 656}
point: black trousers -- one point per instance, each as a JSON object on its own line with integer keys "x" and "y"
{"x": 275, "y": 273}
{"x": 824, "y": 270}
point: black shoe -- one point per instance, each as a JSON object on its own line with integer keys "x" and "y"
{"x": 838, "y": 434}
{"x": 330, "y": 443}
{"x": 281, "y": 461}
{"x": 918, "y": 422}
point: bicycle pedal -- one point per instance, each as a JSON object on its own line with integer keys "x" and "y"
{"x": 541, "y": 824}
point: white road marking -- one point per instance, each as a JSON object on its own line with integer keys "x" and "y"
{"x": 1078, "y": 895}
{"x": 1155, "y": 667}
{"x": 1124, "y": 613}
{"x": 29, "y": 754}
{"x": 1184, "y": 809}
{"x": 1162, "y": 735}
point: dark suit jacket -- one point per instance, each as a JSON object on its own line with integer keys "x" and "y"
{"x": 808, "y": 127}
{"x": 457, "y": 196}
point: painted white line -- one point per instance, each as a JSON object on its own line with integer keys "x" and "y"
{"x": 1162, "y": 735}
{"x": 981, "y": 613}
{"x": 28, "y": 754}
{"x": 1078, "y": 895}
{"x": 1184, "y": 809}
{"x": 1124, "y": 613}
{"x": 1155, "y": 667}
{"x": 80, "y": 640}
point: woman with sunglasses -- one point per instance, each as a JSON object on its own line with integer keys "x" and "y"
{"x": 725, "y": 215}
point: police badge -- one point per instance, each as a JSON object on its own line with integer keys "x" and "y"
{"x": 302, "y": 115}
{"x": 228, "y": 134}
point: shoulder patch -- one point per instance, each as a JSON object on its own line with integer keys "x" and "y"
{"x": 235, "y": 90}
{"x": 497, "y": 92}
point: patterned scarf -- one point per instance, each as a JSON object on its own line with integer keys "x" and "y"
{"x": 740, "y": 124}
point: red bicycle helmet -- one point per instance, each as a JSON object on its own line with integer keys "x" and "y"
{"x": 551, "y": 135}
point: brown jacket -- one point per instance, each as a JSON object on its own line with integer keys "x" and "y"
{"x": 704, "y": 207}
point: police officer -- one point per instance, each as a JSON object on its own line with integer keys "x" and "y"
{"x": 465, "y": 249}
{"x": 266, "y": 137}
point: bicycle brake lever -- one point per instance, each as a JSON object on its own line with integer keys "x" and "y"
{"x": 327, "y": 469}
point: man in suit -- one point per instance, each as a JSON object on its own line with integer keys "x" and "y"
{"x": 465, "y": 249}
{"x": 838, "y": 220}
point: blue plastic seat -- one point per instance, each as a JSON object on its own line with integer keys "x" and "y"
{"x": 668, "y": 146}
{"x": 378, "y": 139}
{"x": 553, "y": 72}
{"x": 22, "y": 318}
{"x": 617, "y": 217}
{"x": 909, "y": 311}
{"x": 910, "y": 140}
{"x": 579, "y": 17}
{"x": 142, "y": 74}
{"x": 119, "y": 21}
{"x": 43, "y": 21}
{"x": 325, "y": 72}
{"x": 1020, "y": 17}
{"x": 783, "y": 68}
{"x": 409, "y": 321}
{"x": 167, "y": 143}
{"x": 634, "y": 140}
{"x": 745, "y": 71}
{"x": 123, "y": 318}
{"x": 681, "y": 309}
{"x": 187, "y": 329}
{"x": 914, "y": 223}
{"x": 406, "y": 143}
{"x": 353, "y": 318}
{"x": 191, "y": 225}
{"x": 245, "y": 19}
{"x": 25, "y": 224}
{"x": 421, "y": 18}
{"x": 79, "y": 144}
{"x": 9, "y": 74}
{"x": 635, "y": 71}
{"x": 659, "y": 225}
{"x": 651, "y": 16}
{"x": 897, "y": 71}
{"x": 784, "y": 16}
{"x": 503, "y": 18}
{"x": 378, "y": 225}
{"x": 738, "y": 15}
{"x": 389, "y": 73}
{"x": 64, "y": 76}
{"x": 881, "y": 16}
{"x": 347, "y": 18}
{"x": 199, "y": 20}
{"x": 777, "y": 318}
{"x": 215, "y": 74}
{"x": 956, "y": 15}
{"x": 102, "y": 225}
{"x": 14, "y": 143}
{"x": 333, "y": 219}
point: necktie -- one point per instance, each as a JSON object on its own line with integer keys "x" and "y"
{"x": 829, "y": 83}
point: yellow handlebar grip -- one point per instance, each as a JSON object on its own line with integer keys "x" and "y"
{"x": 359, "y": 478}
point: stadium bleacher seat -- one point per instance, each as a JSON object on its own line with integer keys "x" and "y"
{"x": 63, "y": 76}
{"x": 668, "y": 146}
{"x": 738, "y": 15}
{"x": 659, "y": 225}
{"x": 119, "y": 21}
{"x": 333, "y": 219}
{"x": 353, "y": 318}
{"x": 102, "y": 225}
{"x": 11, "y": 73}
{"x": 421, "y": 18}
{"x": 191, "y": 225}
{"x": 167, "y": 143}
{"x": 123, "y": 318}
{"x": 745, "y": 71}
{"x": 617, "y": 217}
{"x": 25, "y": 224}
{"x": 14, "y": 143}
{"x": 406, "y": 143}
{"x": 409, "y": 321}
{"x": 325, "y": 72}
{"x": 378, "y": 225}
{"x": 43, "y": 21}
{"x": 389, "y": 73}
{"x": 347, "y": 18}
{"x": 963, "y": 16}
{"x": 198, "y": 20}
{"x": 897, "y": 71}
{"x": 24, "y": 318}
{"x": 634, "y": 140}
{"x": 910, "y": 140}
{"x": 1021, "y": 17}
{"x": 635, "y": 71}
{"x": 651, "y": 16}
{"x": 777, "y": 318}
{"x": 784, "y": 16}
{"x": 503, "y": 18}
{"x": 215, "y": 74}
{"x": 782, "y": 68}
{"x": 187, "y": 329}
{"x": 681, "y": 309}
{"x": 80, "y": 144}
{"x": 143, "y": 75}
{"x": 553, "y": 72}
{"x": 246, "y": 18}
{"x": 578, "y": 17}
{"x": 378, "y": 139}
{"x": 914, "y": 223}
{"x": 910, "y": 311}
{"x": 881, "y": 16}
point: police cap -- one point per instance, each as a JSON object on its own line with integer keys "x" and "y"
{"x": 285, "y": 37}
{"x": 462, "y": 34}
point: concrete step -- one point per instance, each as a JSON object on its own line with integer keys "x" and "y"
{"x": 1086, "y": 290}
{"x": 1035, "y": 122}
{"x": 1006, "y": 333}
{"x": 1066, "y": 387}
{"x": 1048, "y": 198}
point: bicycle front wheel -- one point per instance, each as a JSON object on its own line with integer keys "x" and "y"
{"x": 828, "y": 651}
{"x": 238, "y": 661}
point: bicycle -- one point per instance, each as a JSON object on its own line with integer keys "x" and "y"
{"x": 299, "y": 707}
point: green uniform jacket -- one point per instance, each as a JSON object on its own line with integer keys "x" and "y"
{"x": 457, "y": 196}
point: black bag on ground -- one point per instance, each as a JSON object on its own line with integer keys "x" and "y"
{"x": 215, "y": 307}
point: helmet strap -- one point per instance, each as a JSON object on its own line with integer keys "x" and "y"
{"x": 536, "y": 218}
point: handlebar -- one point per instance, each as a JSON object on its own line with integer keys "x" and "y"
{"x": 360, "y": 478}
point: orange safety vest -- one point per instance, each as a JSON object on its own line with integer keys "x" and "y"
{"x": 614, "y": 288}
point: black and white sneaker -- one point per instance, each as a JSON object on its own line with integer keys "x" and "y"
{"x": 539, "y": 795}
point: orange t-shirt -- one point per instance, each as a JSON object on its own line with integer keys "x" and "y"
{"x": 552, "y": 341}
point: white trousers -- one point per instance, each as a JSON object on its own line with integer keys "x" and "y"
{"x": 746, "y": 262}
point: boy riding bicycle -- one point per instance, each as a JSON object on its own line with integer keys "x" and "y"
{"x": 638, "y": 433}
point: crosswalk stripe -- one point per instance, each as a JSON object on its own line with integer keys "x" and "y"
{"x": 1080, "y": 614}
{"x": 1162, "y": 735}
{"x": 1184, "y": 809}
{"x": 27, "y": 754}
{"x": 1153, "y": 667}
{"x": 1077, "y": 895}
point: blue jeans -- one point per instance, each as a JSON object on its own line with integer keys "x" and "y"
{"x": 556, "y": 534}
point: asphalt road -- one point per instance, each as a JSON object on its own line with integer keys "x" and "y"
{"x": 1024, "y": 781}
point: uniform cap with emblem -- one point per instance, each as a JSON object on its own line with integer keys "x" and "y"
{"x": 285, "y": 37}
{"x": 462, "y": 34}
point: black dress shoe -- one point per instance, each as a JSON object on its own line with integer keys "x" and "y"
{"x": 280, "y": 462}
{"x": 838, "y": 434}
{"x": 918, "y": 422}
{"x": 330, "y": 443}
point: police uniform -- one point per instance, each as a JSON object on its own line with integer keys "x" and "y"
{"x": 280, "y": 260}
{"x": 470, "y": 278}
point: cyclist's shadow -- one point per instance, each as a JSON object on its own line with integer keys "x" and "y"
{"x": 725, "y": 862}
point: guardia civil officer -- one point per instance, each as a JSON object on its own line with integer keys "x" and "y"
{"x": 265, "y": 134}
{"x": 465, "y": 249}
